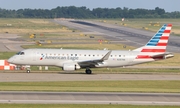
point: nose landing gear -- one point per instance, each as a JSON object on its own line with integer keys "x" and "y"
{"x": 28, "y": 71}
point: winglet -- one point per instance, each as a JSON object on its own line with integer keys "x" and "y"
{"x": 106, "y": 56}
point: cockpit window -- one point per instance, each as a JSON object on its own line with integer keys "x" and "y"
{"x": 20, "y": 53}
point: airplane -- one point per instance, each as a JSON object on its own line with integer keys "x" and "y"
{"x": 71, "y": 59}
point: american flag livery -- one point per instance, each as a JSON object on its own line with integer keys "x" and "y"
{"x": 156, "y": 47}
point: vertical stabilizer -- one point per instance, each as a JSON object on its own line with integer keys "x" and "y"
{"x": 157, "y": 44}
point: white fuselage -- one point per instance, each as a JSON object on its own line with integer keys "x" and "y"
{"x": 59, "y": 57}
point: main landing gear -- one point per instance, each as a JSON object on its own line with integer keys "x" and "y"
{"x": 88, "y": 71}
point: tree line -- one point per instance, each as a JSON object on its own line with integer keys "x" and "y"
{"x": 84, "y": 12}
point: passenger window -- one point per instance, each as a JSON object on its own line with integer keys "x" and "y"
{"x": 22, "y": 53}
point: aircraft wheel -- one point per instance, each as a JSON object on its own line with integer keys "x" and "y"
{"x": 88, "y": 71}
{"x": 28, "y": 71}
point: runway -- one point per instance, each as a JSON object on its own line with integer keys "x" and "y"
{"x": 25, "y": 77}
{"x": 133, "y": 37}
{"x": 11, "y": 42}
{"x": 90, "y": 98}
{"x": 113, "y": 33}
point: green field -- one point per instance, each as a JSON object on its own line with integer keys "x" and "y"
{"x": 94, "y": 86}
{"x": 80, "y": 106}
{"x": 6, "y": 55}
{"x": 82, "y": 46}
{"x": 28, "y": 26}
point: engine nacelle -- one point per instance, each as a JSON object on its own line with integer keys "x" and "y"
{"x": 70, "y": 67}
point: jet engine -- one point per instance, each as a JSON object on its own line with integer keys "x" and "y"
{"x": 70, "y": 66}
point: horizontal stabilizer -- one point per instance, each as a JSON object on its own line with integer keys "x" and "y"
{"x": 165, "y": 55}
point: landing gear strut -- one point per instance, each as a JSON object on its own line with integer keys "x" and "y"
{"x": 88, "y": 71}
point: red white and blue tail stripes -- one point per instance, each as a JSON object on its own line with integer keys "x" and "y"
{"x": 157, "y": 44}
{"x": 161, "y": 37}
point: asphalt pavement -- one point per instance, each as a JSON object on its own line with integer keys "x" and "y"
{"x": 133, "y": 37}
{"x": 90, "y": 98}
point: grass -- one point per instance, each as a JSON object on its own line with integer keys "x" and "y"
{"x": 6, "y": 55}
{"x": 83, "y": 46}
{"x": 81, "y": 106}
{"x": 94, "y": 86}
{"x": 138, "y": 70}
{"x": 24, "y": 26}
{"x": 61, "y": 37}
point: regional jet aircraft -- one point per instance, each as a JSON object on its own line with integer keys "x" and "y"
{"x": 70, "y": 60}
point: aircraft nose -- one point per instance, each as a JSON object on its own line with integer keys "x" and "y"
{"x": 10, "y": 60}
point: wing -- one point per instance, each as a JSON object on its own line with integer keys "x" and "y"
{"x": 92, "y": 63}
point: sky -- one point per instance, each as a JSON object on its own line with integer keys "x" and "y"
{"x": 168, "y": 5}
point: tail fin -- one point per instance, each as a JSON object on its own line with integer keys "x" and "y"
{"x": 157, "y": 44}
